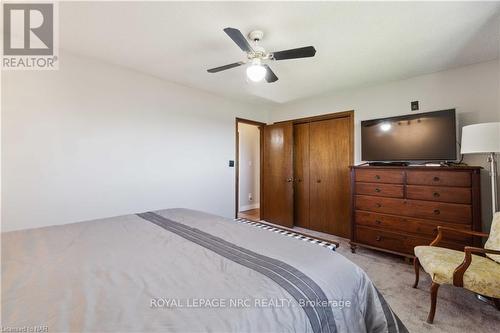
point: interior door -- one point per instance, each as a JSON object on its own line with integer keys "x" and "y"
{"x": 329, "y": 175}
{"x": 277, "y": 201}
{"x": 301, "y": 174}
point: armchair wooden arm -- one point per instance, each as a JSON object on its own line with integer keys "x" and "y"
{"x": 442, "y": 230}
{"x": 458, "y": 274}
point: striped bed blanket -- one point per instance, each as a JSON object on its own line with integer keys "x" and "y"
{"x": 180, "y": 270}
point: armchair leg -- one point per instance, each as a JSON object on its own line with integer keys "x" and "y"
{"x": 416, "y": 265}
{"x": 434, "y": 292}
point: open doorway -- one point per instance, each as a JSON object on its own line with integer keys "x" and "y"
{"x": 248, "y": 169}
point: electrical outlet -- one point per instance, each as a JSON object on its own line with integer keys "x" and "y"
{"x": 250, "y": 197}
{"x": 414, "y": 106}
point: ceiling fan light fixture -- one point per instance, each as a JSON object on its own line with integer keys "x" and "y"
{"x": 256, "y": 72}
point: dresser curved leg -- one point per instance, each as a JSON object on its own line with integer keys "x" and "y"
{"x": 416, "y": 266}
{"x": 434, "y": 292}
{"x": 353, "y": 247}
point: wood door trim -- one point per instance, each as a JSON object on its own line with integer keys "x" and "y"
{"x": 342, "y": 114}
{"x": 237, "y": 161}
{"x": 249, "y": 122}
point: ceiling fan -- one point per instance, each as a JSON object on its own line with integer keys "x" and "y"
{"x": 257, "y": 55}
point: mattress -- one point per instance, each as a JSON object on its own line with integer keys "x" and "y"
{"x": 180, "y": 270}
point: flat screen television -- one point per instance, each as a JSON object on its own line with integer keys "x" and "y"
{"x": 429, "y": 136}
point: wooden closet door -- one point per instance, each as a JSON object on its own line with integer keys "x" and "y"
{"x": 277, "y": 184}
{"x": 301, "y": 174}
{"x": 329, "y": 175}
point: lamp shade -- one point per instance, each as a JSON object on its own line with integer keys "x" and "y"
{"x": 481, "y": 138}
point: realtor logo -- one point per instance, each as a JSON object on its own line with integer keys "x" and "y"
{"x": 29, "y": 36}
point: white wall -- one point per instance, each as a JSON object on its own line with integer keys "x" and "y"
{"x": 249, "y": 180}
{"x": 94, "y": 140}
{"x": 472, "y": 90}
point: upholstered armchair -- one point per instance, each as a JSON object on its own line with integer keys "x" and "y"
{"x": 476, "y": 269}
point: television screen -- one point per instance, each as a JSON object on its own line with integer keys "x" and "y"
{"x": 429, "y": 136}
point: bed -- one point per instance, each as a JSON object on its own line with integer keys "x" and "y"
{"x": 180, "y": 270}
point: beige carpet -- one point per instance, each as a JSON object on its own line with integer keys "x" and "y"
{"x": 457, "y": 309}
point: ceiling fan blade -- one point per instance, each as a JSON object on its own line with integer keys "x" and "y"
{"x": 270, "y": 76}
{"x": 239, "y": 39}
{"x": 301, "y": 52}
{"x": 223, "y": 68}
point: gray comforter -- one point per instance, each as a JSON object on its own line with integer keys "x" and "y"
{"x": 184, "y": 271}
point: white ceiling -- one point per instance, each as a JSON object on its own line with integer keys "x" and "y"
{"x": 357, "y": 43}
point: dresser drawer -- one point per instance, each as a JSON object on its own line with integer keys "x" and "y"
{"x": 435, "y": 193}
{"x": 427, "y": 228}
{"x": 396, "y": 242}
{"x": 455, "y": 213}
{"x": 380, "y": 205}
{"x": 442, "y": 178}
{"x": 388, "y": 240}
{"x": 380, "y": 176}
{"x": 383, "y": 190}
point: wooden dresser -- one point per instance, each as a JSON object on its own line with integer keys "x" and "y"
{"x": 395, "y": 209}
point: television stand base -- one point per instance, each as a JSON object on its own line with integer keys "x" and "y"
{"x": 388, "y": 164}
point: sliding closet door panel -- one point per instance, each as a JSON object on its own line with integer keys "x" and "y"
{"x": 278, "y": 174}
{"x": 340, "y": 169}
{"x": 329, "y": 175}
{"x": 301, "y": 174}
{"x": 321, "y": 185}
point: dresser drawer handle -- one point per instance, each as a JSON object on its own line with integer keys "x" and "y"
{"x": 436, "y": 178}
{"x": 378, "y": 205}
{"x": 378, "y": 222}
{"x": 437, "y": 212}
{"x": 377, "y": 177}
{"x": 378, "y": 190}
{"x": 378, "y": 238}
{"x": 436, "y": 194}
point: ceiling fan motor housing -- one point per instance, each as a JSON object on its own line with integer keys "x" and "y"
{"x": 256, "y": 35}
{"x": 258, "y": 51}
